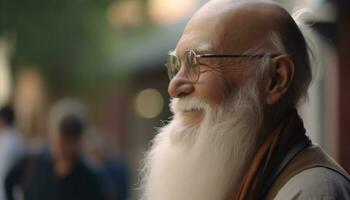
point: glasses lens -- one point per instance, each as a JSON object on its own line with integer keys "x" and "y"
{"x": 191, "y": 66}
{"x": 172, "y": 65}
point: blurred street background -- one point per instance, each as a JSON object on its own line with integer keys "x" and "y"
{"x": 109, "y": 54}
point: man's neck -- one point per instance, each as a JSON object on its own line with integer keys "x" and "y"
{"x": 63, "y": 167}
{"x": 272, "y": 118}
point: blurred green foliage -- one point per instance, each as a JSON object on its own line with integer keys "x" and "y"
{"x": 70, "y": 41}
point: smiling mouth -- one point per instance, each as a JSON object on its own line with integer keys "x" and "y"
{"x": 193, "y": 116}
{"x": 193, "y": 110}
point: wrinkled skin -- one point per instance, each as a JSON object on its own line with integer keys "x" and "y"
{"x": 234, "y": 27}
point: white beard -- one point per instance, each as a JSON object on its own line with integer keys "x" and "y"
{"x": 208, "y": 160}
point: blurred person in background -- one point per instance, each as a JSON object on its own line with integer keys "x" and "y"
{"x": 115, "y": 176}
{"x": 109, "y": 165}
{"x": 58, "y": 172}
{"x": 237, "y": 75}
{"x": 11, "y": 144}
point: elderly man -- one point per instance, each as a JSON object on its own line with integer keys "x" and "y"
{"x": 237, "y": 74}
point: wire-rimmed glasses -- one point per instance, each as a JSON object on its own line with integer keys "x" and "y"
{"x": 192, "y": 64}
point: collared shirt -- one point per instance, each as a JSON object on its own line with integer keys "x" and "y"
{"x": 317, "y": 183}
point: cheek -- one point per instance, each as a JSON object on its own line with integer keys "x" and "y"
{"x": 213, "y": 88}
{"x": 236, "y": 79}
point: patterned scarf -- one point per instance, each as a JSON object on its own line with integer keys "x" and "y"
{"x": 280, "y": 147}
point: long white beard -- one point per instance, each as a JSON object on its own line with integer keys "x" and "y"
{"x": 206, "y": 161}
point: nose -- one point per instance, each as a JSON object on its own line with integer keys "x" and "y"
{"x": 180, "y": 86}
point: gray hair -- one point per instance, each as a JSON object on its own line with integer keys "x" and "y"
{"x": 296, "y": 42}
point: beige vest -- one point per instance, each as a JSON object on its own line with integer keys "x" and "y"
{"x": 311, "y": 157}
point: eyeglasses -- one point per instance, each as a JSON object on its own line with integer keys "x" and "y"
{"x": 192, "y": 64}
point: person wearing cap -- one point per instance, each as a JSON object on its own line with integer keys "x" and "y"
{"x": 58, "y": 172}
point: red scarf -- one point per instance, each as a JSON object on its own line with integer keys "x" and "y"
{"x": 281, "y": 142}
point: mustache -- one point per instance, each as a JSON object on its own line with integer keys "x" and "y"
{"x": 187, "y": 104}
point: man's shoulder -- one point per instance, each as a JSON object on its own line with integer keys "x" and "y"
{"x": 316, "y": 183}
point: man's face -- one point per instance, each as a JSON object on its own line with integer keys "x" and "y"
{"x": 213, "y": 86}
{"x": 65, "y": 147}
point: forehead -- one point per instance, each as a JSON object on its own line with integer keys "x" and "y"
{"x": 228, "y": 27}
{"x": 200, "y": 31}
{"x": 198, "y": 35}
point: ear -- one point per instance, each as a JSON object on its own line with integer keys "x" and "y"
{"x": 281, "y": 76}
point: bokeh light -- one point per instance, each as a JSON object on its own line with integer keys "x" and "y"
{"x": 125, "y": 14}
{"x": 170, "y": 11}
{"x": 5, "y": 79}
{"x": 149, "y": 103}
